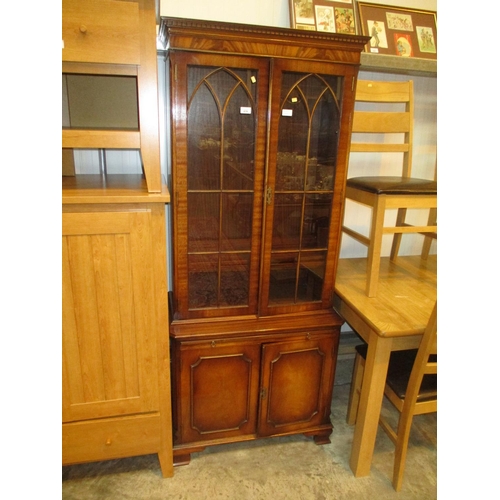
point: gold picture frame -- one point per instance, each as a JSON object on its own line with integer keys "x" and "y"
{"x": 328, "y": 16}
{"x": 398, "y": 31}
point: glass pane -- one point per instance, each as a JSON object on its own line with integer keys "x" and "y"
{"x": 312, "y": 272}
{"x": 235, "y": 271}
{"x": 283, "y": 277}
{"x": 292, "y": 144}
{"x": 202, "y": 281}
{"x": 203, "y": 222}
{"x": 287, "y": 221}
{"x": 320, "y": 177}
{"x": 316, "y": 221}
{"x": 324, "y": 130}
{"x": 204, "y": 141}
{"x": 239, "y": 141}
{"x": 237, "y": 221}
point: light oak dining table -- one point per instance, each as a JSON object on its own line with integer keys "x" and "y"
{"x": 393, "y": 320}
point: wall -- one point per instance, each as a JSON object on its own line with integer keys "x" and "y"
{"x": 263, "y": 12}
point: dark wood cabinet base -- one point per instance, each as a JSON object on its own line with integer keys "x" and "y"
{"x": 250, "y": 378}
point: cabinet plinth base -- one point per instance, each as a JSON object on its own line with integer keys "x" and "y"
{"x": 182, "y": 454}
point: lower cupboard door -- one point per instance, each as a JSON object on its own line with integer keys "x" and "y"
{"x": 297, "y": 382}
{"x": 218, "y": 392}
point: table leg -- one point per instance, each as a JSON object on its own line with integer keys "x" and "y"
{"x": 370, "y": 404}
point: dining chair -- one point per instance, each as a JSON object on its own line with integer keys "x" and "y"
{"x": 389, "y": 130}
{"x": 411, "y": 386}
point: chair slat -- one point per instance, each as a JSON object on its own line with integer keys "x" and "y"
{"x": 372, "y": 147}
{"x": 381, "y": 122}
{"x": 374, "y": 91}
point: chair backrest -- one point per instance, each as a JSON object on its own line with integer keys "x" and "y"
{"x": 425, "y": 364}
{"x": 393, "y": 119}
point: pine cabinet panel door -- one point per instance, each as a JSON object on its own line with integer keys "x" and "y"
{"x": 104, "y": 31}
{"x": 296, "y": 385}
{"x": 109, "y": 323}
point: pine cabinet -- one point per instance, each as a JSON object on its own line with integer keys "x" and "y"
{"x": 111, "y": 42}
{"x": 116, "y": 397}
{"x": 115, "y": 400}
{"x": 260, "y": 121}
{"x": 115, "y": 347}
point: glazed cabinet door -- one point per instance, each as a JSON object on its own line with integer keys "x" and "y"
{"x": 109, "y": 320}
{"x": 219, "y": 106}
{"x": 296, "y": 385}
{"x": 217, "y": 391}
{"x": 307, "y": 168}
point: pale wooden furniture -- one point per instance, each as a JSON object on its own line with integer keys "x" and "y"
{"x": 261, "y": 127}
{"x": 393, "y": 320}
{"x": 431, "y": 221}
{"x": 428, "y": 237}
{"x": 116, "y": 38}
{"x": 411, "y": 386}
{"x": 402, "y": 191}
{"x": 116, "y": 363}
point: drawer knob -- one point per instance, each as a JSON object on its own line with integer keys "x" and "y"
{"x": 83, "y": 28}
{"x": 108, "y": 442}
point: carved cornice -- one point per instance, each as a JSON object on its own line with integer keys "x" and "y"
{"x": 233, "y": 38}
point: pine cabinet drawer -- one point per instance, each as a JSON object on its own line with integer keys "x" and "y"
{"x": 104, "y": 31}
{"x": 110, "y": 438}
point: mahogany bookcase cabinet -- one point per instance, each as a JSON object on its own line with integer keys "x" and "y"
{"x": 260, "y": 123}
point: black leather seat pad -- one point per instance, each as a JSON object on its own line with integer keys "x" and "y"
{"x": 393, "y": 185}
{"x": 398, "y": 374}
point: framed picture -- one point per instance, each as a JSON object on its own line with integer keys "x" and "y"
{"x": 398, "y": 31}
{"x": 324, "y": 15}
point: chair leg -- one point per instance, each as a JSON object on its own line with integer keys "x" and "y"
{"x": 396, "y": 242}
{"x": 403, "y": 436}
{"x": 428, "y": 239}
{"x": 375, "y": 247}
{"x": 357, "y": 379}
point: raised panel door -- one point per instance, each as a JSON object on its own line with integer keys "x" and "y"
{"x": 109, "y": 319}
{"x": 296, "y": 380}
{"x": 218, "y": 393}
